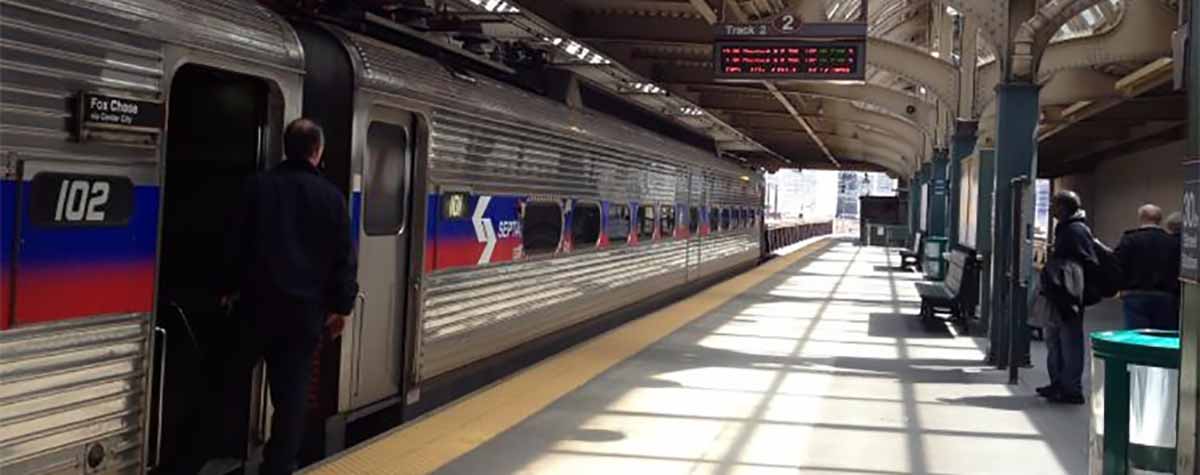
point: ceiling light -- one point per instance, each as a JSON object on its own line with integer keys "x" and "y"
{"x": 691, "y": 111}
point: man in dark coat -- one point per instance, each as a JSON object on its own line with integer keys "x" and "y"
{"x": 1149, "y": 272}
{"x": 1063, "y": 284}
{"x": 291, "y": 265}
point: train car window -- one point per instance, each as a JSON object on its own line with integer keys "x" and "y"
{"x": 585, "y": 225}
{"x": 668, "y": 221}
{"x": 714, "y": 219}
{"x": 383, "y": 213}
{"x": 693, "y": 219}
{"x": 645, "y": 219}
{"x": 618, "y": 226}
{"x": 541, "y": 227}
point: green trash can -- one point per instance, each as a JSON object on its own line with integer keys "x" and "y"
{"x": 1135, "y": 390}
{"x": 932, "y": 262}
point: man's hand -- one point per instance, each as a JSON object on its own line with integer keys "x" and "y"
{"x": 228, "y": 300}
{"x": 334, "y": 324}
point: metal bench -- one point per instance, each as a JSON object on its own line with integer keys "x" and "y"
{"x": 912, "y": 258}
{"x": 956, "y": 296}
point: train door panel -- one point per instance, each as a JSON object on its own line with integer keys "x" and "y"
{"x": 698, "y": 198}
{"x": 386, "y": 204}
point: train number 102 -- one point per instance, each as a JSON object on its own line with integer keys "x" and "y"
{"x": 71, "y": 199}
{"x": 81, "y": 200}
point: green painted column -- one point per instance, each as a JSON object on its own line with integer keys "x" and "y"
{"x": 939, "y": 192}
{"x": 1016, "y": 156}
{"x": 961, "y": 147}
{"x": 1188, "y": 443}
{"x": 983, "y": 239}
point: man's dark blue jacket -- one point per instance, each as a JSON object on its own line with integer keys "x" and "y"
{"x": 291, "y": 248}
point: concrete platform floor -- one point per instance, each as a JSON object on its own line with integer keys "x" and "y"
{"x": 820, "y": 368}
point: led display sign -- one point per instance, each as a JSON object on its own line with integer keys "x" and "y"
{"x": 790, "y": 59}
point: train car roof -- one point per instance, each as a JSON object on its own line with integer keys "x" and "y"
{"x": 241, "y": 29}
{"x": 388, "y": 69}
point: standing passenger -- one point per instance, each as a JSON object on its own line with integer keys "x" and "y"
{"x": 1063, "y": 282}
{"x": 291, "y": 264}
{"x": 1150, "y": 269}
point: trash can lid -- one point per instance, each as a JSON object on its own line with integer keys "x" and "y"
{"x": 1142, "y": 347}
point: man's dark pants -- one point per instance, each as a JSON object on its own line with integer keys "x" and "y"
{"x": 1154, "y": 310}
{"x": 1064, "y": 359}
{"x": 283, "y": 336}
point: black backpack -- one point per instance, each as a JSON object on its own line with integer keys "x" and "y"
{"x": 1101, "y": 280}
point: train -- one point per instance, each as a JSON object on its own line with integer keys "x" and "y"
{"x": 491, "y": 225}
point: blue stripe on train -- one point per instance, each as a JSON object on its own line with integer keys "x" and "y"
{"x": 80, "y": 245}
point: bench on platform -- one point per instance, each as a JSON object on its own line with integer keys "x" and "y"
{"x": 912, "y": 258}
{"x": 956, "y": 296}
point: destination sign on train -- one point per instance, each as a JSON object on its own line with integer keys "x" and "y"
{"x": 799, "y": 60}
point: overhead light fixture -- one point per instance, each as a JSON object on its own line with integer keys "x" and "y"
{"x": 496, "y": 6}
{"x": 645, "y": 88}
{"x": 936, "y": 54}
{"x": 691, "y": 111}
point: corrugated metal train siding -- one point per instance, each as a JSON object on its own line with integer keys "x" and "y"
{"x": 491, "y": 138}
{"x": 50, "y": 53}
{"x": 67, "y": 385}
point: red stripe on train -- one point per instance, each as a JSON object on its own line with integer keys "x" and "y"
{"x": 67, "y": 292}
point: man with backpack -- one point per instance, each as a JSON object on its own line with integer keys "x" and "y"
{"x": 1064, "y": 293}
{"x": 1150, "y": 271}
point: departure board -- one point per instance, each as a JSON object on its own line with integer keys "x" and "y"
{"x": 790, "y": 59}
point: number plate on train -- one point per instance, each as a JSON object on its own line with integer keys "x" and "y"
{"x": 63, "y": 199}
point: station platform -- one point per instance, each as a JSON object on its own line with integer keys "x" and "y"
{"x": 814, "y": 362}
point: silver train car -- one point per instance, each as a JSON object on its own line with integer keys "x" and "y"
{"x": 492, "y": 225}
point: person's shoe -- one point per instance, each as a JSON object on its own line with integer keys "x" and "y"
{"x": 1047, "y": 391}
{"x": 1062, "y": 398}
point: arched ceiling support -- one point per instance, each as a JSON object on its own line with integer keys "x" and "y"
{"x": 991, "y": 17}
{"x": 987, "y": 77}
{"x": 938, "y": 75}
{"x": 751, "y": 119}
{"x": 746, "y": 100}
{"x": 848, "y": 147}
{"x": 880, "y": 144}
{"x": 1144, "y": 34}
{"x": 1035, "y": 33}
{"x": 1073, "y": 85}
{"x": 903, "y": 107}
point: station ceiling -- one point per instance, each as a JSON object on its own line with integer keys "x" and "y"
{"x": 891, "y": 121}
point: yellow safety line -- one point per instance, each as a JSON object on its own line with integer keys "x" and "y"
{"x": 437, "y": 439}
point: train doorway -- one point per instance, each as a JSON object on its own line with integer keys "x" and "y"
{"x": 218, "y": 134}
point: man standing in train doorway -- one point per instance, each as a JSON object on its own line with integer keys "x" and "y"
{"x": 292, "y": 270}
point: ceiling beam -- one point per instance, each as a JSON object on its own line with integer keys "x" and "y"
{"x": 791, "y": 108}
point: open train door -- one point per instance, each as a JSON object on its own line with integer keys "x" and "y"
{"x": 221, "y": 129}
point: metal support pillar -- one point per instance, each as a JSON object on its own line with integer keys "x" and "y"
{"x": 926, "y": 191}
{"x": 983, "y": 238}
{"x": 939, "y": 192}
{"x": 1187, "y": 441}
{"x": 915, "y": 204}
{"x": 961, "y": 146}
{"x": 1016, "y": 156}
